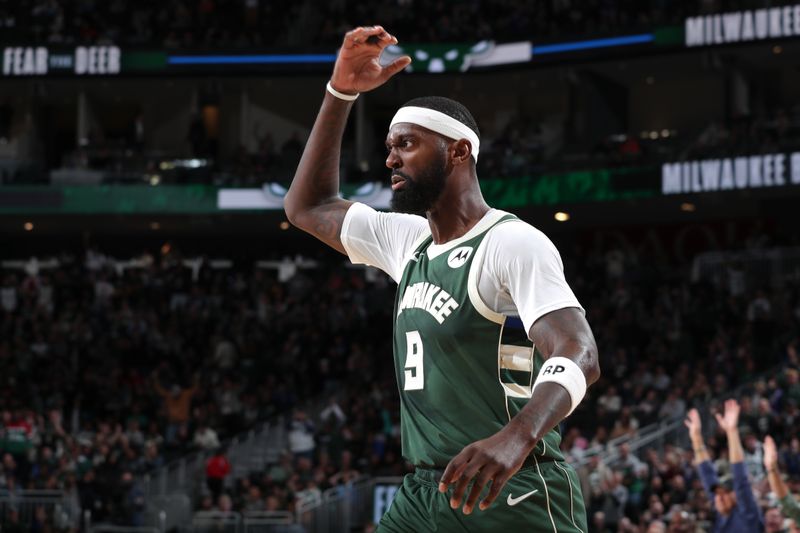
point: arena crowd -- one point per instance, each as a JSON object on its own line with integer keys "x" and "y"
{"x": 258, "y": 23}
{"x": 113, "y": 368}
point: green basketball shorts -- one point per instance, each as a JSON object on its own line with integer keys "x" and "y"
{"x": 540, "y": 498}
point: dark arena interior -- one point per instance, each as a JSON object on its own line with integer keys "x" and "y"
{"x": 179, "y": 354}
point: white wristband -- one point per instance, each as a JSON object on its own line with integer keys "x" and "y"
{"x": 341, "y": 96}
{"x": 567, "y": 374}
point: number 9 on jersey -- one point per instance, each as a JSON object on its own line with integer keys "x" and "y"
{"x": 414, "y": 375}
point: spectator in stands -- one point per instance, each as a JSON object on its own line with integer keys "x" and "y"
{"x": 789, "y": 505}
{"x": 774, "y": 521}
{"x": 205, "y": 437}
{"x": 254, "y": 500}
{"x": 734, "y": 502}
{"x": 132, "y": 502}
{"x": 281, "y": 471}
{"x": 309, "y": 494}
{"x": 301, "y": 435}
{"x": 139, "y": 329}
{"x": 610, "y": 400}
{"x": 177, "y": 405}
{"x": 18, "y": 440}
{"x": 224, "y": 504}
{"x": 625, "y": 424}
{"x": 217, "y": 469}
{"x": 332, "y": 413}
{"x": 753, "y": 455}
{"x": 347, "y": 471}
{"x": 791, "y": 457}
{"x": 228, "y": 400}
{"x": 673, "y": 407}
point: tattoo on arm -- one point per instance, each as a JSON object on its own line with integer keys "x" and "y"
{"x": 328, "y": 222}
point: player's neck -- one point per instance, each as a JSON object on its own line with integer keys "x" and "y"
{"x": 456, "y": 212}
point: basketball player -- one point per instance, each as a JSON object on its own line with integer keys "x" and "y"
{"x": 479, "y": 402}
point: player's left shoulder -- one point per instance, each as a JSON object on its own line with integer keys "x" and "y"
{"x": 517, "y": 234}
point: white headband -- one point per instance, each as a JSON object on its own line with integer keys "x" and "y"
{"x": 438, "y": 122}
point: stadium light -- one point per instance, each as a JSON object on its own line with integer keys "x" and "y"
{"x": 561, "y": 216}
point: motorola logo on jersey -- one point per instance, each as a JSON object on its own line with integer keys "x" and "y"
{"x": 459, "y": 256}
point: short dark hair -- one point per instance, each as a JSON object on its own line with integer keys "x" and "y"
{"x": 724, "y": 482}
{"x": 449, "y": 107}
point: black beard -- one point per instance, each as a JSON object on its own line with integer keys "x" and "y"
{"x": 419, "y": 194}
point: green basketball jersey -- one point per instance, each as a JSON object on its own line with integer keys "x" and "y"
{"x": 463, "y": 371}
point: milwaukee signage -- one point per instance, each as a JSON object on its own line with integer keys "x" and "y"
{"x": 81, "y": 61}
{"x": 743, "y": 26}
{"x": 737, "y": 173}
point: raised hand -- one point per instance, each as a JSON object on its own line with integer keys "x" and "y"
{"x": 693, "y": 423}
{"x": 770, "y": 453}
{"x": 358, "y": 68}
{"x": 494, "y": 459}
{"x": 730, "y": 420}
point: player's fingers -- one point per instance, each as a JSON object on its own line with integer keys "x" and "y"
{"x": 462, "y": 483}
{"x": 454, "y": 469}
{"x": 352, "y": 34}
{"x": 719, "y": 418}
{"x": 385, "y": 39}
{"x": 370, "y": 34}
{"x": 374, "y": 30}
{"x": 481, "y": 480}
{"x": 497, "y": 485}
{"x": 356, "y": 36}
{"x": 396, "y": 66}
{"x": 375, "y": 34}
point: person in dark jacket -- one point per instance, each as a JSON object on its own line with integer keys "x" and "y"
{"x": 734, "y": 502}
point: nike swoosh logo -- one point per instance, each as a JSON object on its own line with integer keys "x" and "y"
{"x": 514, "y": 501}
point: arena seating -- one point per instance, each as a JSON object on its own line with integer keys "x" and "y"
{"x": 151, "y": 358}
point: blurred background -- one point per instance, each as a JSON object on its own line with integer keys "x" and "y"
{"x": 174, "y": 356}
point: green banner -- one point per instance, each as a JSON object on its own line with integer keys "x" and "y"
{"x": 575, "y": 187}
{"x": 548, "y": 189}
{"x": 109, "y": 199}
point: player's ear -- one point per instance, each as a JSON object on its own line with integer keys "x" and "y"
{"x": 461, "y": 151}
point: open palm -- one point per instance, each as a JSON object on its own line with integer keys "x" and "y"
{"x": 693, "y": 422}
{"x": 730, "y": 420}
{"x": 770, "y": 453}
